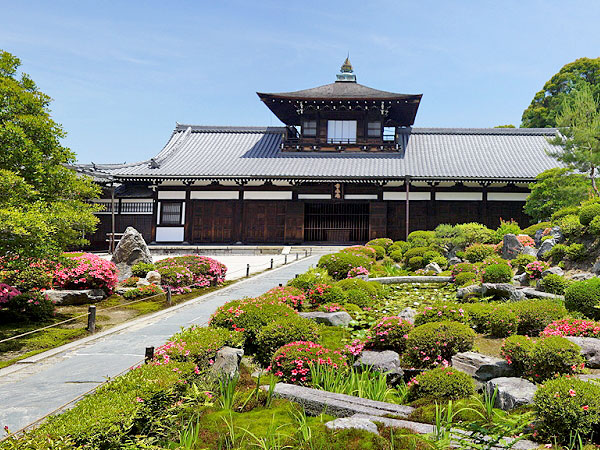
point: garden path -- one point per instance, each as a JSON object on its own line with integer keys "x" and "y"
{"x": 39, "y": 388}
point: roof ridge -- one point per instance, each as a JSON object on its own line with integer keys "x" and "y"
{"x": 229, "y": 128}
{"x": 489, "y": 131}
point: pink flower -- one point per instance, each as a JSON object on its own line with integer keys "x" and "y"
{"x": 572, "y": 393}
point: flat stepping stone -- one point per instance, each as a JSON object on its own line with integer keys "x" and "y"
{"x": 590, "y": 350}
{"x": 316, "y": 402}
{"x": 65, "y": 297}
{"x": 481, "y": 367}
{"x": 356, "y": 423}
{"x": 512, "y": 392}
{"x": 534, "y": 293}
{"x": 335, "y": 319}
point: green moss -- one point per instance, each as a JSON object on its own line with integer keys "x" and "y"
{"x": 333, "y": 337}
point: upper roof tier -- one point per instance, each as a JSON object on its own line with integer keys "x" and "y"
{"x": 289, "y": 107}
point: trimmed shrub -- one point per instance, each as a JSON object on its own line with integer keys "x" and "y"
{"x": 7, "y": 293}
{"x": 570, "y": 226}
{"x": 478, "y": 252}
{"x": 421, "y": 234}
{"x": 373, "y": 288}
{"x": 325, "y": 293}
{"x": 441, "y": 312}
{"x": 572, "y": 327}
{"x": 554, "y": 355}
{"x": 389, "y": 333}
{"x": 583, "y": 296}
{"x": 358, "y": 297}
{"x": 176, "y": 276}
{"x": 283, "y": 331}
{"x": 292, "y": 361}
{"x": 430, "y": 256}
{"x": 307, "y": 280}
{"x": 502, "y": 322}
{"x": 576, "y": 252}
{"x": 435, "y": 343}
{"x": 479, "y": 316}
{"x": 379, "y": 251}
{"x": 33, "y": 306}
{"x": 416, "y": 262}
{"x": 471, "y": 233}
{"x": 364, "y": 250}
{"x": 87, "y": 271}
{"x": 289, "y": 295}
{"x": 416, "y": 251}
{"x": 497, "y": 273}
{"x": 401, "y": 246}
{"x": 533, "y": 229}
{"x": 534, "y": 315}
{"x": 130, "y": 282}
{"x": 397, "y": 255}
{"x": 517, "y": 352}
{"x": 443, "y": 383}
{"x": 339, "y": 264}
{"x": 587, "y": 213}
{"x": 141, "y": 269}
{"x": 463, "y": 267}
{"x": 566, "y": 211}
{"x": 507, "y": 227}
{"x": 521, "y": 261}
{"x": 567, "y": 407}
{"x": 465, "y": 278}
{"x": 205, "y": 271}
{"x": 31, "y": 276}
{"x": 380, "y": 242}
{"x": 557, "y": 253}
{"x": 594, "y": 226}
{"x": 143, "y": 291}
{"x": 441, "y": 261}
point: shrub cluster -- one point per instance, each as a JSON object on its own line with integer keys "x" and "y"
{"x": 521, "y": 261}
{"x": 534, "y": 315}
{"x": 325, "y": 293}
{"x": 583, "y": 296}
{"x": 307, "y": 280}
{"x": 497, "y": 273}
{"x": 441, "y": 312}
{"x": 379, "y": 251}
{"x": 572, "y": 327}
{"x": 176, "y": 277}
{"x": 465, "y": 278}
{"x": 442, "y": 383}
{"x": 205, "y": 271}
{"x": 33, "y": 306}
{"x": 289, "y": 295}
{"x": 339, "y": 264}
{"x": 502, "y": 322}
{"x": 130, "y": 282}
{"x": 587, "y": 213}
{"x": 143, "y": 291}
{"x": 385, "y": 243}
{"x": 283, "y": 331}
{"x": 389, "y": 333}
{"x": 87, "y": 271}
{"x": 141, "y": 269}
{"x": 478, "y": 252}
{"x": 554, "y": 284}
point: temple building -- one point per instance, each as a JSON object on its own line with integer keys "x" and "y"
{"x": 347, "y": 166}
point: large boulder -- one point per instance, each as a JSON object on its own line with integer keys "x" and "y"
{"x": 130, "y": 250}
{"x": 227, "y": 362}
{"x": 581, "y": 276}
{"x": 530, "y": 251}
{"x": 468, "y": 291}
{"x": 545, "y": 247}
{"x": 590, "y": 350}
{"x": 454, "y": 260}
{"x": 511, "y": 247}
{"x": 512, "y": 392}
{"x": 557, "y": 235}
{"x": 433, "y": 267}
{"x": 338, "y": 318}
{"x": 502, "y": 290}
{"x": 153, "y": 277}
{"x": 386, "y": 361}
{"x": 555, "y": 270}
{"x": 481, "y": 367}
{"x": 596, "y": 268}
{"x": 64, "y": 297}
{"x": 356, "y": 423}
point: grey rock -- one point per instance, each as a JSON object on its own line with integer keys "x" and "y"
{"x": 66, "y": 297}
{"x": 481, "y": 367}
{"x": 596, "y": 267}
{"x": 534, "y": 293}
{"x": 590, "y": 350}
{"x": 537, "y": 238}
{"x": 511, "y": 247}
{"x": 522, "y": 279}
{"x": 153, "y": 277}
{"x": 386, "y": 361}
{"x": 357, "y": 423}
{"x": 545, "y": 247}
{"x": 555, "y": 270}
{"x": 467, "y": 291}
{"x": 595, "y": 377}
{"x": 227, "y": 362}
{"x": 142, "y": 282}
{"x": 338, "y": 318}
{"x": 433, "y": 267}
{"x": 316, "y": 402}
{"x": 130, "y": 250}
{"x": 412, "y": 279}
{"x": 582, "y": 276}
{"x": 530, "y": 251}
{"x": 512, "y": 392}
{"x": 502, "y": 290}
{"x": 408, "y": 314}
{"x": 454, "y": 260}
{"x": 557, "y": 234}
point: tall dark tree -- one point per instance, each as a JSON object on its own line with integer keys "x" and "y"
{"x": 546, "y": 104}
{"x": 44, "y": 204}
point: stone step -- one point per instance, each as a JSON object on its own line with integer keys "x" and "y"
{"x": 316, "y": 402}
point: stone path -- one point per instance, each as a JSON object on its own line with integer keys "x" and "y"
{"x": 31, "y": 390}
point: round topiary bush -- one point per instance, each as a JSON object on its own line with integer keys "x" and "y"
{"x": 289, "y": 295}
{"x": 554, "y": 356}
{"x": 517, "y": 352}
{"x": 502, "y": 322}
{"x": 435, "y": 343}
{"x": 479, "y": 316}
{"x": 443, "y": 383}
{"x": 576, "y": 252}
{"x": 358, "y": 297}
{"x": 389, "y": 333}
{"x": 292, "y": 361}
{"x": 497, "y": 273}
{"x": 339, "y": 264}
{"x": 567, "y": 407}
{"x": 416, "y": 262}
{"x": 141, "y": 269}
{"x": 416, "y": 251}
{"x": 397, "y": 255}
{"x": 430, "y": 256}
{"x": 175, "y": 276}
{"x": 380, "y": 242}
{"x": 401, "y": 246}
{"x": 205, "y": 270}
{"x": 325, "y": 293}
{"x": 587, "y": 213}
{"x": 478, "y": 252}
{"x": 583, "y": 296}
{"x": 465, "y": 278}
{"x": 87, "y": 271}
{"x": 364, "y": 250}
{"x": 534, "y": 315}
{"x": 372, "y": 288}
{"x": 594, "y": 226}
{"x": 307, "y": 280}
{"x": 283, "y": 331}
{"x": 441, "y": 312}
{"x": 554, "y": 284}
{"x": 379, "y": 251}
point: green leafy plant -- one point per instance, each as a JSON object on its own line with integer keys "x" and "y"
{"x": 582, "y": 296}
{"x": 532, "y": 316}
{"x": 283, "y": 331}
{"x": 502, "y": 322}
{"x": 478, "y": 252}
{"x": 442, "y": 312}
{"x": 379, "y": 251}
{"x": 465, "y": 278}
{"x": 307, "y": 280}
{"x": 553, "y": 356}
{"x": 587, "y": 213}
{"x": 576, "y": 252}
{"x": 141, "y": 269}
{"x": 517, "y": 352}
{"x": 385, "y": 243}
{"x": 143, "y": 291}
{"x": 443, "y": 383}
{"x": 339, "y": 264}
{"x": 389, "y": 333}
{"x": 497, "y": 273}
{"x": 554, "y": 284}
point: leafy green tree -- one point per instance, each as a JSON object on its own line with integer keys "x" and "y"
{"x": 555, "y": 189}
{"x": 579, "y": 138}
{"x": 44, "y": 205}
{"x": 545, "y": 106}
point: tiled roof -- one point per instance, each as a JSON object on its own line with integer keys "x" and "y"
{"x": 432, "y": 153}
{"x": 339, "y": 90}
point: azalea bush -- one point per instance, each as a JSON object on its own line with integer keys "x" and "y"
{"x": 535, "y": 314}
{"x": 176, "y": 277}
{"x": 357, "y": 272}
{"x": 443, "y": 383}
{"x": 462, "y": 268}
{"x": 292, "y": 361}
{"x": 339, "y": 264}
{"x": 389, "y": 333}
{"x": 307, "y": 280}
{"x": 205, "y": 271}
{"x": 582, "y": 296}
{"x": 573, "y": 327}
{"x": 283, "y": 331}
{"x": 87, "y": 271}
{"x": 289, "y": 295}
{"x": 535, "y": 269}
{"x": 130, "y": 282}
{"x": 34, "y": 306}
{"x": 27, "y": 273}
{"x": 325, "y": 293}
{"x": 7, "y": 293}
{"x": 516, "y": 350}
{"x": 497, "y": 273}
{"x": 143, "y": 291}
{"x": 365, "y": 250}
{"x": 441, "y": 312}
{"x": 526, "y": 241}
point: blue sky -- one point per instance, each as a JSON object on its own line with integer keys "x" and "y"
{"x": 122, "y": 73}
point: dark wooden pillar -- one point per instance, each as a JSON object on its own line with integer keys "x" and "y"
{"x": 154, "y": 211}
{"x": 483, "y": 213}
{"x": 187, "y": 227}
{"x": 377, "y": 220}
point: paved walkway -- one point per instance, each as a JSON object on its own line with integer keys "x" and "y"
{"x": 33, "y": 390}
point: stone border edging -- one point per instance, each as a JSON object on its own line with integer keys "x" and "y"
{"x": 411, "y": 279}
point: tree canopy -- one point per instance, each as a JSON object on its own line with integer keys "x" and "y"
{"x": 43, "y": 202}
{"x": 545, "y": 106}
{"x": 555, "y": 189}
